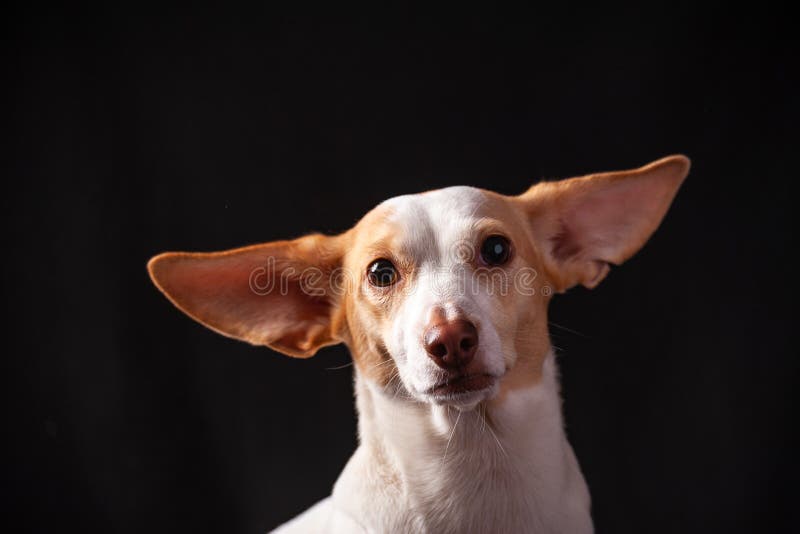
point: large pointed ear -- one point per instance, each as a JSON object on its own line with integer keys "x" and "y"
{"x": 583, "y": 225}
{"x": 276, "y": 294}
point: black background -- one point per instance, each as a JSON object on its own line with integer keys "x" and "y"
{"x": 203, "y": 130}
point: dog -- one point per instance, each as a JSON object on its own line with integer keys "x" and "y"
{"x": 441, "y": 298}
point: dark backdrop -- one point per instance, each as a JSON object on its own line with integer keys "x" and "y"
{"x": 202, "y": 130}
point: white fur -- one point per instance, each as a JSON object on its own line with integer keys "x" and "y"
{"x": 440, "y": 226}
{"x": 466, "y": 466}
{"x": 515, "y": 474}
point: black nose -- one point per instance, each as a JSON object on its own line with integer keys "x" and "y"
{"x": 451, "y": 344}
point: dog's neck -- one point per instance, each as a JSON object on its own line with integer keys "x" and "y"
{"x": 504, "y": 466}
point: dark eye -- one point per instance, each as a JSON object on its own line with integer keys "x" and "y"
{"x": 381, "y": 273}
{"x": 495, "y": 250}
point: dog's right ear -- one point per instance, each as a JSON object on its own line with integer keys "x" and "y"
{"x": 276, "y": 294}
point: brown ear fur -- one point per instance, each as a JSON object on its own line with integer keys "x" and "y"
{"x": 275, "y": 294}
{"x": 583, "y": 225}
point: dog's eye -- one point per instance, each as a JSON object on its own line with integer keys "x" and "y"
{"x": 495, "y": 250}
{"x": 382, "y": 273}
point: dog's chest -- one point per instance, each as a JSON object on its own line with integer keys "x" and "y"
{"x": 478, "y": 489}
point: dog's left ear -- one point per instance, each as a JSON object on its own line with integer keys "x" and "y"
{"x": 583, "y": 225}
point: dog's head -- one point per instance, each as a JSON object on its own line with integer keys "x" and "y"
{"x": 441, "y": 295}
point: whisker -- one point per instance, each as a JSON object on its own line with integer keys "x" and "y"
{"x": 570, "y": 330}
{"x": 395, "y": 375}
{"x": 399, "y": 386}
{"x": 497, "y": 441}
{"x": 348, "y": 364}
{"x": 381, "y": 363}
{"x": 452, "y": 433}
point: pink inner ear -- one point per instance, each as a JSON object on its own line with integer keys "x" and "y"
{"x": 593, "y": 221}
{"x": 564, "y": 243}
{"x": 606, "y": 222}
{"x": 215, "y": 289}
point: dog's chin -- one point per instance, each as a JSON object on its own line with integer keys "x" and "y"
{"x": 463, "y": 392}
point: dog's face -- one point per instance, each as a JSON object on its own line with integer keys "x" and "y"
{"x": 441, "y": 296}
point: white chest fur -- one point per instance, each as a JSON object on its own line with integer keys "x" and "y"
{"x": 423, "y": 468}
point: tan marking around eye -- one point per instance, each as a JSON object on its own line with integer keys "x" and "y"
{"x": 531, "y": 341}
{"x": 367, "y": 317}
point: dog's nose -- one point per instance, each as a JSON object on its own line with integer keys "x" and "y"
{"x": 451, "y": 344}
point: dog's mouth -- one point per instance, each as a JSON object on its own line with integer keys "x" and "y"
{"x": 461, "y": 384}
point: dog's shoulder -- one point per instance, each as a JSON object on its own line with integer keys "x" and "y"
{"x": 322, "y": 518}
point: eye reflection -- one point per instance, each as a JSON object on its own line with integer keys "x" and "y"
{"x": 495, "y": 250}
{"x": 382, "y": 273}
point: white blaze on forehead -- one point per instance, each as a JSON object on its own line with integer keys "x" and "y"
{"x": 436, "y": 221}
{"x": 437, "y": 230}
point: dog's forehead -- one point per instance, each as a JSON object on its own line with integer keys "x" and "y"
{"x": 459, "y": 199}
{"x": 442, "y": 217}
